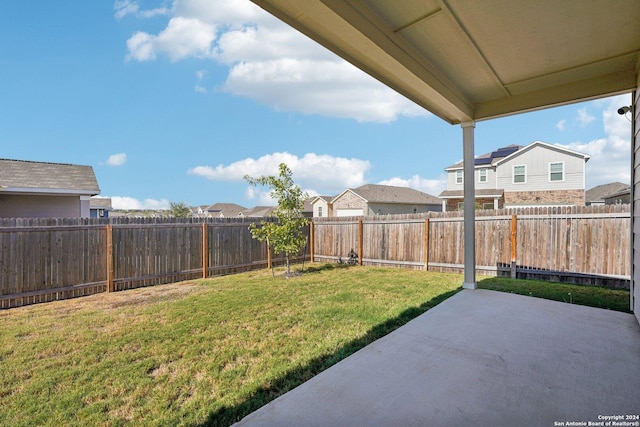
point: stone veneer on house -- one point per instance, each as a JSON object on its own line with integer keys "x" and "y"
{"x": 350, "y": 201}
{"x": 564, "y": 197}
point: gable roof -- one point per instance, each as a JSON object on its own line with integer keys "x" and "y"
{"x": 259, "y": 211}
{"x": 327, "y": 199}
{"x": 504, "y": 154}
{"x": 41, "y": 177}
{"x": 601, "y": 192}
{"x": 490, "y": 158}
{"x": 227, "y": 210}
{"x": 375, "y": 193}
{"x": 100, "y": 203}
{"x": 474, "y": 60}
{"x": 531, "y": 146}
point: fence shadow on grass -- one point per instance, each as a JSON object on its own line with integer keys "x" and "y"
{"x": 230, "y": 414}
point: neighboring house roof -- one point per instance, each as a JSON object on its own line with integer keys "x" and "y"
{"x": 259, "y": 211}
{"x": 227, "y": 210}
{"x": 374, "y": 193}
{"x": 504, "y": 154}
{"x": 327, "y": 199}
{"x": 458, "y": 194}
{"x": 100, "y": 203}
{"x": 25, "y": 176}
{"x": 601, "y": 192}
{"x": 490, "y": 158}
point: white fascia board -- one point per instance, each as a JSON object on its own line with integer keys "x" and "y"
{"x": 48, "y": 191}
{"x": 542, "y": 144}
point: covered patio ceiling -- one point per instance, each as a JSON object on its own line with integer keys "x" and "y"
{"x": 469, "y": 60}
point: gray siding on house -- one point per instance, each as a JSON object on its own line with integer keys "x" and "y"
{"x": 24, "y": 206}
{"x": 489, "y": 184}
{"x": 451, "y": 181}
{"x": 537, "y": 160}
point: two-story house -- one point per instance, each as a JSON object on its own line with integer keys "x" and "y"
{"x": 538, "y": 174}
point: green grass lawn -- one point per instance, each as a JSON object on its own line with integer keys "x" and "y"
{"x": 209, "y": 352}
{"x": 611, "y": 299}
{"x": 205, "y": 352}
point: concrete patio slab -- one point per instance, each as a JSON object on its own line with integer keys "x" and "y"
{"x": 480, "y": 358}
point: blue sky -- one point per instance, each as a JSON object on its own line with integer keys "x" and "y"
{"x": 175, "y": 101}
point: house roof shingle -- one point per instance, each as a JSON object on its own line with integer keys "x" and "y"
{"x": 259, "y": 211}
{"x": 33, "y": 176}
{"x": 455, "y": 194}
{"x": 228, "y": 210}
{"x": 100, "y": 203}
{"x": 600, "y": 192}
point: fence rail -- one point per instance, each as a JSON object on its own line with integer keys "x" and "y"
{"x": 588, "y": 242}
{"x": 50, "y": 259}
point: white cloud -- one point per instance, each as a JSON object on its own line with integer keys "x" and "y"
{"x": 123, "y": 202}
{"x": 320, "y": 173}
{"x": 329, "y": 88}
{"x": 259, "y": 197}
{"x": 269, "y": 61}
{"x": 183, "y": 37}
{"x": 561, "y": 124}
{"x": 131, "y": 7}
{"x": 584, "y": 118}
{"x": 429, "y": 186}
{"x": 611, "y": 155}
{"x": 117, "y": 159}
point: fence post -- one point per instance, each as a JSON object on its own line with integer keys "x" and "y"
{"x": 109, "y": 230}
{"x": 360, "y": 244}
{"x": 311, "y": 240}
{"x": 426, "y": 244}
{"x": 205, "y": 250}
{"x": 514, "y": 245}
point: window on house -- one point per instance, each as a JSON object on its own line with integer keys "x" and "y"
{"x": 519, "y": 174}
{"x": 458, "y": 177}
{"x": 483, "y": 175}
{"x": 415, "y": 210}
{"x": 319, "y": 210}
{"x": 556, "y": 171}
{"x": 487, "y": 205}
{"x": 460, "y": 206}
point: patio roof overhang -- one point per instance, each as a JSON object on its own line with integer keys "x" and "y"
{"x": 467, "y": 60}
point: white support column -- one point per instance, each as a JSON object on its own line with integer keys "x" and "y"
{"x": 469, "y": 206}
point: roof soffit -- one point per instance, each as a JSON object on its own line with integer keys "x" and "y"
{"x": 466, "y": 60}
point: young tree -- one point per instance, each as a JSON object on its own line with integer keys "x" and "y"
{"x": 285, "y": 236}
{"x": 179, "y": 210}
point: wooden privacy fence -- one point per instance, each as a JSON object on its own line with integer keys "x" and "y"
{"x": 569, "y": 241}
{"x": 49, "y": 259}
